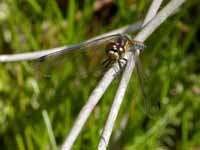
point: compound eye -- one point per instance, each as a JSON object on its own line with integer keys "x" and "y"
{"x": 121, "y": 50}
{"x": 115, "y": 48}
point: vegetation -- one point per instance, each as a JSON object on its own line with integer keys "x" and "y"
{"x": 34, "y": 97}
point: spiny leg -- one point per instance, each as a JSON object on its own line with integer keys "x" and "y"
{"x": 120, "y": 65}
{"x": 107, "y": 62}
{"x": 125, "y": 60}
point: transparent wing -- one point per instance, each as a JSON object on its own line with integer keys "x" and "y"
{"x": 81, "y": 46}
{"x": 151, "y": 104}
{"x": 83, "y": 59}
{"x": 71, "y": 73}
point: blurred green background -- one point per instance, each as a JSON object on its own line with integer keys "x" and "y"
{"x": 171, "y": 61}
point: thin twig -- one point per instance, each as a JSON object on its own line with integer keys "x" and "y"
{"x": 88, "y": 107}
{"x": 145, "y": 33}
{"x": 155, "y": 5}
{"x": 162, "y": 15}
{"x": 39, "y": 53}
{"x": 105, "y": 137}
{"x": 113, "y": 113}
{"x": 120, "y": 128}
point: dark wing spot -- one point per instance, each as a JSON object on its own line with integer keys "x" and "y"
{"x": 42, "y": 58}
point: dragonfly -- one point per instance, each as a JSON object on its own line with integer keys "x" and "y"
{"x": 115, "y": 47}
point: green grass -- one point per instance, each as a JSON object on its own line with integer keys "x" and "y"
{"x": 171, "y": 60}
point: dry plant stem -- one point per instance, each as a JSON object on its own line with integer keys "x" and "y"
{"x": 39, "y": 53}
{"x": 105, "y": 137}
{"x": 145, "y": 33}
{"x": 114, "y": 110}
{"x": 108, "y": 76}
{"x": 88, "y": 107}
{"x": 155, "y": 5}
{"x": 168, "y": 10}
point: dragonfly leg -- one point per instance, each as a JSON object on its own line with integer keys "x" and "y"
{"x": 124, "y": 59}
{"x": 106, "y": 62}
{"x": 109, "y": 62}
{"x": 120, "y": 65}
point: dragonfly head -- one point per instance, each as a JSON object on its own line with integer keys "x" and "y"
{"x": 114, "y": 50}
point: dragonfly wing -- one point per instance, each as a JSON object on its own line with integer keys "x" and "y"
{"x": 151, "y": 106}
{"x": 92, "y": 51}
{"x": 80, "y": 46}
